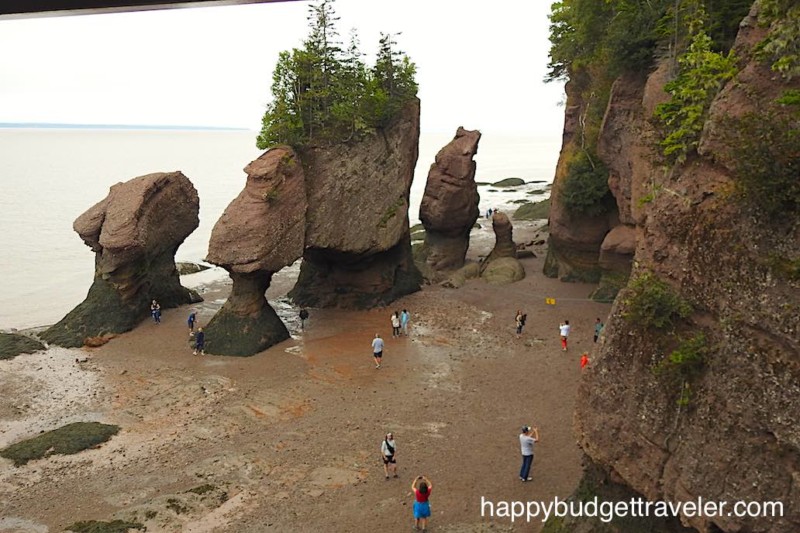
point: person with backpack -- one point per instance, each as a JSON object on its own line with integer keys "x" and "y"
{"x": 421, "y": 487}
{"x": 389, "y": 454}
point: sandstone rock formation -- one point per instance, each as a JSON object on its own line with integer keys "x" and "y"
{"x": 721, "y": 421}
{"x": 501, "y": 265}
{"x": 358, "y": 255}
{"x": 449, "y": 206}
{"x": 134, "y": 232}
{"x": 260, "y": 232}
{"x": 575, "y": 239}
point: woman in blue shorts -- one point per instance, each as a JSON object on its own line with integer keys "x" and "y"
{"x": 421, "y": 487}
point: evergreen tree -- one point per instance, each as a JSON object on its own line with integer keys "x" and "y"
{"x": 323, "y": 94}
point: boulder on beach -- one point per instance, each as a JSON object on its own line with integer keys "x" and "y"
{"x": 14, "y": 344}
{"x": 261, "y": 231}
{"x": 134, "y": 232}
{"x": 533, "y": 211}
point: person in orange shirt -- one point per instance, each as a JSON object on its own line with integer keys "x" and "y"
{"x": 584, "y": 360}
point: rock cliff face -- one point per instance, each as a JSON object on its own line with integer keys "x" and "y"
{"x": 575, "y": 239}
{"x": 721, "y": 419}
{"x": 449, "y": 206}
{"x": 358, "y": 254}
{"x": 261, "y": 231}
{"x": 134, "y": 232}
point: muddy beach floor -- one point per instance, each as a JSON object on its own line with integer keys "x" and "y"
{"x": 288, "y": 440}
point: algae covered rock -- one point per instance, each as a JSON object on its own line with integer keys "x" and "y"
{"x": 13, "y": 344}
{"x": 509, "y": 182}
{"x": 533, "y": 211}
{"x": 503, "y": 271}
{"x": 66, "y": 440}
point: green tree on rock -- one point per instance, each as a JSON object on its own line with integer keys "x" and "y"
{"x": 322, "y": 94}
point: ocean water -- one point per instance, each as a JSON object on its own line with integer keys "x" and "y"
{"x": 50, "y": 176}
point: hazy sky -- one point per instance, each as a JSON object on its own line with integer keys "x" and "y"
{"x": 480, "y": 65}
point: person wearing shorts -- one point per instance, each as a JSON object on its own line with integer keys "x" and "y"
{"x": 389, "y": 454}
{"x": 421, "y": 487}
{"x": 377, "y": 349}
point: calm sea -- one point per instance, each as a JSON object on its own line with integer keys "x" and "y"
{"x": 49, "y": 177}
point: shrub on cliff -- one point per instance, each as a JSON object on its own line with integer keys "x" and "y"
{"x": 652, "y": 304}
{"x": 585, "y": 189}
{"x": 764, "y": 149}
{"x": 324, "y": 94}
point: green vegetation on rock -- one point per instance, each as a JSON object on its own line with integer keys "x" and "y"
{"x": 764, "y": 149}
{"x": 322, "y": 93}
{"x": 585, "y": 189}
{"x": 533, "y": 211}
{"x": 115, "y": 526}
{"x": 781, "y": 47}
{"x": 684, "y": 364}
{"x": 66, "y": 440}
{"x": 652, "y": 304}
{"x": 12, "y": 344}
{"x": 702, "y": 73}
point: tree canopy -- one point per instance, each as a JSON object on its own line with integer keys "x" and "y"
{"x": 323, "y": 93}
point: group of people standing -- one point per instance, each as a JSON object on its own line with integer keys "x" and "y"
{"x": 199, "y": 336}
{"x": 421, "y": 486}
{"x": 400, "y": 323}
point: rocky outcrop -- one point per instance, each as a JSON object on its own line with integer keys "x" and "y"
{"x": 359, "y": 255}
{"x": 134, "y": 232}
{"x": 14, "y": 344}
{"x": 260, "y": 232}
{"x": 501, "y": 265}
{"x": 575, "y": 238}
{"x": 449, "y": 206}
{"x": 721, "y": 419}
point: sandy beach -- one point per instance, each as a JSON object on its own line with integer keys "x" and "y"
{"x": 289, "y": 440}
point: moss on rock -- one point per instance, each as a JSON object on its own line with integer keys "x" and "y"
{"x": 66, "y": 440}
{"x": 94, "y": 526}
{"x": 533, "y": 211}
{"x": 12, "y": 344}
{"x": 230, "y": 334}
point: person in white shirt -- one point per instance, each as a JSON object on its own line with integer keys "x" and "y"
{"x": 527, "y": 438}
{"x": 389, "y": 453}
{"x": 564, "y": 331}
{"x": 395, "y": 324}
{"x": 377, "y": 349}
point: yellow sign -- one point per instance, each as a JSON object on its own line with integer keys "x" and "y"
{"x": 550, "y": 301}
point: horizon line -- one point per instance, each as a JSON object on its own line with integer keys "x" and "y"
{"x": 68, "y": 125}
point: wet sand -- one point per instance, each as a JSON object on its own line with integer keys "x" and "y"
{"x": 288, "y": 440}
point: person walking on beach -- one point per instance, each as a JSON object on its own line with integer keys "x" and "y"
{"x": 200, "y": 342}
{"x": 395, "y": 324}
{"x": 598, "y": 329}
{"x": 389, "y": 453}
{"x": 377, "y": 349}
{"x": 528, "y": 437}
{"x": 404, "y": 318}
{"x": 563, "y": 330}
{"x": 584, "y": 360}
{"x": 519, "y": 320}
{"x": 155, "y": 312}
{"x": 303, "y": 318}
{"x": 421, "y": 487}
{"x": 191, "y": 320}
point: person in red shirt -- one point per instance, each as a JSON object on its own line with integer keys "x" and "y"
{"x": 421, "y": 487}
{"x": 584, "y": 360}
